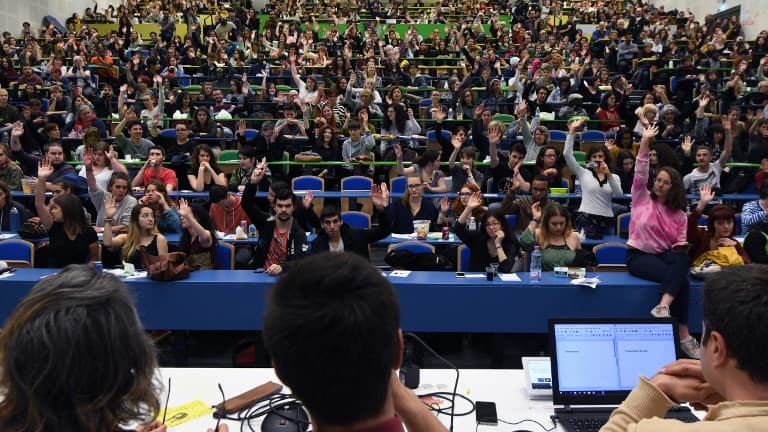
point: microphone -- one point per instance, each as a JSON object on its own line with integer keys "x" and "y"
{"x": 450, "y": 365}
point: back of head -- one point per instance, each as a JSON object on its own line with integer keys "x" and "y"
{"x": 734, "y": 305}
{"x": 331, "y": 326}
{"x": 75, "y": 357}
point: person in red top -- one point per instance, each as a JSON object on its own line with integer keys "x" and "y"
{"x": 227, "y": 213}
{"x": 154, "y": 170}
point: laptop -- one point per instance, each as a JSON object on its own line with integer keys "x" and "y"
{"x": 597, "y": 362}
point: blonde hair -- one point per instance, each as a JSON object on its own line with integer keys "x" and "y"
{"x": 133, "y": 237}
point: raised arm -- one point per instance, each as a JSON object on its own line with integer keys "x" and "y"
{"x": 203, "y": 235}
{"x": 456, "y": 143}
{"x": 44, "y": 170}
{"x": 494, "y": 137}
{"x": 570, "y": 160}
{"x": 727, "y": 142}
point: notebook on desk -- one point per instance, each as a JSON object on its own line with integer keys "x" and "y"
{"x": 597, "y": 362}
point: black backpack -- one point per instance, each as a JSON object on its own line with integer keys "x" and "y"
{"x": 408, "y": 260}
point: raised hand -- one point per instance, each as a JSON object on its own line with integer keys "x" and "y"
{"x": 88, "y": 160}
{"x": 687, "y": 144}
{"x": 445, "y": 205}
{"x": 44, "y": 169}
{"x": 475, "y": 201}
{"x": 306, "y": 200}
{"x": 494, "y": 135}
{"x": 706, "y": 194}
{"x": 456, "y": 142}
{"x": 727, "y": 126}
{"x": 522, "y": 108}
{"x": 575, "y": 124}
{"x": 650, "y": 132}
{"x": 241, "y": 127}
{"x": 110, "y": 208}
{"x": 610, "y": 143}
{"x": 184, "y": 209}
{"x": 18, "y": 129}
{"x": 536, "y": 210}
{"x": 438, "y": 113}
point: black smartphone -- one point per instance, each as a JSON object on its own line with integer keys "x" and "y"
{"x": 485, "y": 413}
{"x": 460, "y": 274}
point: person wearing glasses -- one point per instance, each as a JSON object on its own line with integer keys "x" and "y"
{"x": 177, "y": 149}
{"x": 658, "y": 247}
{"x": 492, "y": 243}
{"x": 105, "y": 388}
{"x": 118, "y": 190}
{"x": 142, "y": 232}
{"x": 449, "y": 212}
{"x": 337, "y": 236}
{"x": 521, "y": 205}
{"x": 153, "y": 169}
{"x": 412, "y": 206}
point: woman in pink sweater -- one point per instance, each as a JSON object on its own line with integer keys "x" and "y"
{"x": 658, "y": 250}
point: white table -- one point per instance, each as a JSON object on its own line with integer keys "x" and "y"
{"x": 502, "y": 386}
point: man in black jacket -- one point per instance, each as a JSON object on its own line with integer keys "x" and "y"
{"x": 336, "y": 236}
{"x": 281, "y": 240}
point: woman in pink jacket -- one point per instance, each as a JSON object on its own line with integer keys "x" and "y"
{"x": 658, "y": 249}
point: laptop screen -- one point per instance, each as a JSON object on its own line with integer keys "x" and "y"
{"x": 599, "y": 361}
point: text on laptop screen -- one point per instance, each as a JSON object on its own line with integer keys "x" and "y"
{"x": 594, "y": 359}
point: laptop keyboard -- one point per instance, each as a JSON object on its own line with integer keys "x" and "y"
{"x": 593, "y": 424}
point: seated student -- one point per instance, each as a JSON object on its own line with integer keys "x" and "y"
{"x": 548, "y": 165}
{"x": 153, "y": 169}
{"x": 6, "y": 204}
{"x": 118, "y": 189}
{"x": 716, "y": 242}
{"x": 360, "y": 144}
{"x": 281, "y": 239}
{"x": 448, "y": 213}
{"x": 412, "y": 206}
{"x": 135, "y": 145}
{"x": 70, "y": 239}
{"x": 367, "y": 394}
{"x": 465, "y": 171}
{"x": 242, "y": 174}
{"x": 521, "y": 205}
{"x": 54, "y": 155}
{"x": 141, "y": 232}
{"x": 755, "y": 212}
{"x": 167, "y": 216}
{"x": 731, "y": 380}
{"x": 52, "y": 333}
{"x": 551, "y": 229}
{"x": 337, "y": 236}
{"x": 227, "y": 213}
{"x": 198, "y": 238}
{"x": 204, "y": 170}
{"x": 492, "y": 243}
{"x": 104, "y": 163}
{"x": 10, "y": 173}
{"x": 426, "y": 166}
{"x": 707, "y": 172}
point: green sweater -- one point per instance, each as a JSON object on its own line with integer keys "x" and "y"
{"x": 550, "y": 257}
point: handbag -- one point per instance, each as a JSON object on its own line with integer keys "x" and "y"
{"x": 166, "y": 267}
{"x": 32, "y": 230}
{"x": 308, "y": 156}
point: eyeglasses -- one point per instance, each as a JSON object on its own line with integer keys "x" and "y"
{"x": 495, "y": 223}
{"x": 663, "y": 182}
{"x": 465, "y": 194}
{"x": 414, "y": 186}
{"x": 549, "y": 155}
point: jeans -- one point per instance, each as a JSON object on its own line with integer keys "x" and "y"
{"x": 668, "y": 268}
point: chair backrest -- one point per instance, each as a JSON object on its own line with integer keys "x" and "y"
{"x": 168, "y": 133}
{"x": 557, "y": 135}
{"x": 613, "y": 253}
{"x": 305, "y": 183}
{"x": 251, "y": 134}
{"x": 18, "y": 250}
{"x": 512, "y": 221}
{"x": 622, "y": 224}
{"x": 356, "y": 183}
{"x": 225, "y": 256}
{"x": 397, "y": 185}
{"x": 357, "y": 219}
{"x": 593, "y": 135}
{"x": 228, "y": 155}
{"x": 462, "y": 258}
{"x": 431, "y": 136}
{"x": 413, "y": 246}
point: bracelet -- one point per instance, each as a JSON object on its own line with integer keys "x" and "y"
{"x": 108, "y": 220}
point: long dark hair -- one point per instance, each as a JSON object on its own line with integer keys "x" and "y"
{"x": 71, "y": 213}
{"x": 76, "y": 358}
{"x": 509, "y": 232}
{"x": 676, "y": 199}
{"x": 195, "y": 159}
{"x": 205, "y": 221}
{"x": 400, "y": 118}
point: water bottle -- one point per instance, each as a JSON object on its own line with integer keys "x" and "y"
{"x": 450, "y": 113}
{"x": 538, "y": 113}
{"x": 244, "y": 226}
{"x": 252, "y": 231}
{"x": 536, "y": 264}
{"x": 15, "y": 219}
{"x": 472, "y": 224}
{"x": 577, "y": 186}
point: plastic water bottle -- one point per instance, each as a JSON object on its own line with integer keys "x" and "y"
{"x": 577, "y": 186}
{"x": 450, "y": 113}
{"x": 15, "y": 220}
{"x": 538, "y": 113}
{"x": 472, "y": 224}
{"x": 536, "y": 264}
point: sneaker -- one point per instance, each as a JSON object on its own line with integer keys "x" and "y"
{"x": 691, "y": 347}
{"x": 661, "y": 311}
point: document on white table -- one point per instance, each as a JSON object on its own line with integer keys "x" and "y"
{"x": 399, "y": 273}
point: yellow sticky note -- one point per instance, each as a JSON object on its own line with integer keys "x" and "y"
{"x": 181, "y": 414}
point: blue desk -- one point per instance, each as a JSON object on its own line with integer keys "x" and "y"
{"x": 430, "y": 301}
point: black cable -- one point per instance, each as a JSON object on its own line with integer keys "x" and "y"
{"x": 554, "y": 425}
{"x": 446, "y": 410}
{"x": 167, "y": 398}
{"x": 451, "y": 365}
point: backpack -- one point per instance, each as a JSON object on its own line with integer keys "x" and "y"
{"x": 408, "y": 260}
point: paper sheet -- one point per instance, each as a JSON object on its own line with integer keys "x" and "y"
{"x": 181, "y": 414}
{"x": 590, "y": 282}
{"x": 399, "y": 273}
{"x": 509, "y": 277}
{"x": 7, "y": 236}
